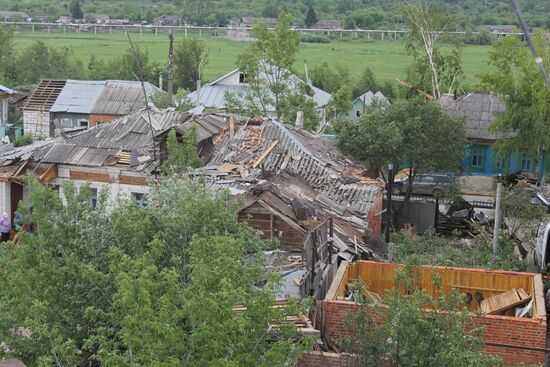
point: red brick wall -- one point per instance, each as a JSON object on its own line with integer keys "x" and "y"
{"x": 515, "y": 332}
{"x": 375, "y": 221}
{"x": 133, "y": 180}
{"x": 93, "y": 120}
{"x": 318, "y": 359}
{"x": 90, "y": 176}
{"x": 497, "y": 329}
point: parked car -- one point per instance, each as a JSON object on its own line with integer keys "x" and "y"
{"x": 425, "y": 184}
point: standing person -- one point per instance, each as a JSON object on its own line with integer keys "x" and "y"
{"x": 5, "y": 227}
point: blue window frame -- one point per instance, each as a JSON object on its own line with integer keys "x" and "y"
{"x": 478, "y": 158}
{"x": 526, "y": 164}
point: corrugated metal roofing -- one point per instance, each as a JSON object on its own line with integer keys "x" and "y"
{"x": 369, "y": 97}
{"x": 120, "y": 97}
{"x": 6, "y": 90}
{"x": 99, "y": 145}
{"x": 213, "y": 94}
{"x": 78, "y": 96}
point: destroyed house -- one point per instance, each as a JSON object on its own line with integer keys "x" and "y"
{"x": 118, "y": 156}
{"x": 296, "y": 188}
{"x": 56, "y": 107}
{"x": 508, "y": 305}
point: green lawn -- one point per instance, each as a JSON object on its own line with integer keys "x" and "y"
{"x": 386, "y": 58}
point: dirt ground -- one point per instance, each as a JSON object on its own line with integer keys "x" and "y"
{"x": 478, "y": 185}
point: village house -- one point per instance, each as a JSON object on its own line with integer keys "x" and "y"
{"x": 328, "y": 24}
{"x": 508, "y": 305}
{"x": 118, "y": 157}
{"x": 249, "y": 22}
{"x": 297, "y": 188}
{"x": 169, "y": 20}
{"x": 480, "y": 110}
{"x": 99, "y": 18}
{"x": 235, "y": 83}
{"x": 56, "y": 106}
{"x": 365, "y": 101}
{"x": 64, "y": 20}
{"x": 502, "y": 28}
{"x": 14, "y": 16}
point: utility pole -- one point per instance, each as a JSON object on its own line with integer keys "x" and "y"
{"x": 171, "y": 70}
{"x": 498, "y": 219}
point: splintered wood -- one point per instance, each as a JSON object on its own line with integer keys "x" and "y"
{"x": 505, "y": 301}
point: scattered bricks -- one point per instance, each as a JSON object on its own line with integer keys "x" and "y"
{"x": 90, "y": 176}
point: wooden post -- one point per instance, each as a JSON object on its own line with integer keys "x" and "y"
{"x": 498, "y": 219}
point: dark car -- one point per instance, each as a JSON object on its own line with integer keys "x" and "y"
{"x": 426, "y": 184}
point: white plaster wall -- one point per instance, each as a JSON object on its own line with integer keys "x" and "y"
{"x": 5, "y": 198}
{"x": 36, "y": 123}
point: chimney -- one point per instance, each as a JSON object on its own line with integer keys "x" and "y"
{"x": 300, "y": 119}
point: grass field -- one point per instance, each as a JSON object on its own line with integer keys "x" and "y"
{"x": 386, "y": 58}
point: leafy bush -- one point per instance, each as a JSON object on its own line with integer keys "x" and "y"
{"x": 314, "y": 38}
{"x": 22, "y": 140}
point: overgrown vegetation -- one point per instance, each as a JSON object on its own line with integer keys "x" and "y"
{"x": 432, "y": 249}
{"x": 404, "y": 334}
{"x": 139, "y": 286}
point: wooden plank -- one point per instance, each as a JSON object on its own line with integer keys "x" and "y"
{"x": 522, "y": 293}
{"x": 282, "y": 217}
{"x": 477, "y": 288}
{"x": 502, "y": 302}
{"x": 265, "y": 154}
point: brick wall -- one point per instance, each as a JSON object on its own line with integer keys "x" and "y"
{"x": 318, "y": 359}
{"x": 93, "y": 120}
{"x": 90, "y": 176}
{"x": 133, "y": 180}
{"x": 530, "y": 333}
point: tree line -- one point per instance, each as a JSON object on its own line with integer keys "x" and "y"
{"x": 39, "y": 61}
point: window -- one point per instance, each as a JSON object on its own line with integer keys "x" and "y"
{"x": 242, "y": 78}
{"x": 358, "y": 114}
{"x": 93, "y": 197}
{"x": 427, "y": 179}
{"x": 477, "y": 158}
{"x": 139, "y": 199}
{"x": 525, "y": 162}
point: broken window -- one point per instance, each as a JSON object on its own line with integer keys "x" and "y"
{"x": 140, "y": 199}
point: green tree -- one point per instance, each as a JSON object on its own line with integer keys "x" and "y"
{"x": 299, "y": 102}
{"x": 366, "y": 82}
{"x": 7, "y": 57}
{"x": 132, "y": 65}
{"x": 267, "y": 63}
{"x": 405, "y": 334}
{"x": 416, "y": 131}
{"x": 341, "y": 101}
{"x": 311, "y": 16}
{"x": 76, "y": 9}
{"x": 517, "y": 79}
{"x": 189, "y": 60}
{"x": 137, "y": 286}
{"x": 330, "y": 79}
{"x": 432, "y": 70}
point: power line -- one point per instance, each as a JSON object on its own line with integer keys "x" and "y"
{"x": 538, "y": 60}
